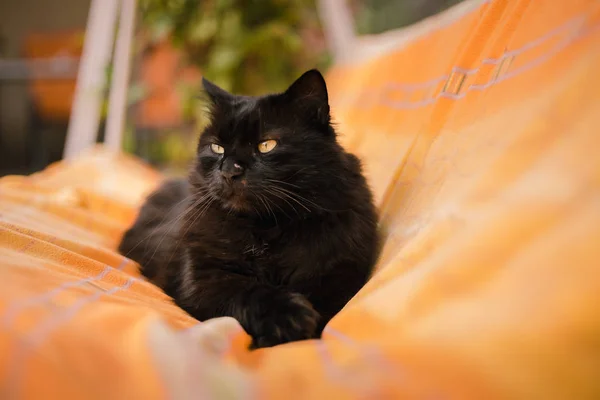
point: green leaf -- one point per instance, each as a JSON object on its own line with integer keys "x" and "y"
{"x": 137, "y": 91}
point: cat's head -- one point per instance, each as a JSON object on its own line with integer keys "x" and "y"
{"x": 268, "y": 154}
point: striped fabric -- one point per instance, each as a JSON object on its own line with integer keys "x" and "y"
{"x": 480, "y": 139}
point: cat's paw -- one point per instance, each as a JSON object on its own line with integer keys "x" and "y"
{"x": 288, "y": 317}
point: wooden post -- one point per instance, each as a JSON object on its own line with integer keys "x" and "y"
{"x": 338, "y": 27}
{"x": 117, "y": 101}
{"x": 85, "y": 112}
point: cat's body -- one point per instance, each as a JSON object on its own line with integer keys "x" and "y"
{"x": 279, "y": 238}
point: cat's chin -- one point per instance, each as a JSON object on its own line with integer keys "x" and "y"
{"x": 236, "y": 204}
{"x": 234, "y": 198}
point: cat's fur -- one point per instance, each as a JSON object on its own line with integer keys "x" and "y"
{"x": 282, "y": 246}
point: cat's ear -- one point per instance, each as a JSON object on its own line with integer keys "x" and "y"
{"x": 217, "y": 96}
{"x": 309, "y": 92}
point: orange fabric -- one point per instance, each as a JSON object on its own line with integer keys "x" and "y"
{"x": 481, "y": 142}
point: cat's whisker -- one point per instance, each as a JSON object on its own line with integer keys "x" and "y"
{"x": 197, "y": 207}
{"x": 308, "y": 200}
{"x": 202, "y": 210}
{"x": 182, "y": 236}
{"x": 265, "y": 203}
{"x": 160, "y": 225}
{"x": 175, "y": 222}
{"x": 287, "y": 195}
{"x": 272, "y": 211}
{"x": 282, "y": 182}
{"x": 299, "y": 171}
{"x": 299, "y": 196}
{"x": 281, "y": 209}
{"x": 279, "y": 196}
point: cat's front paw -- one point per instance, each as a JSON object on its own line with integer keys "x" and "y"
{"x": 288, "y": 317}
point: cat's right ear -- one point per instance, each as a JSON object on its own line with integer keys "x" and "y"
{"x": 217, "y": 96}
{"x": 309, "y": 94}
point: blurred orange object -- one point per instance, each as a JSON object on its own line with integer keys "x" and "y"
{"x": 161, "y": 70}
{"x": 480, "y": 138}
{"x": 53, "y": 97}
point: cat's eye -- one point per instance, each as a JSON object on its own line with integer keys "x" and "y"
{"x": 217, "y": 149}
{"x": 267, "y": 146}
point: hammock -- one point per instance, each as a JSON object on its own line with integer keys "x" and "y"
{"x": 480, "y": 139}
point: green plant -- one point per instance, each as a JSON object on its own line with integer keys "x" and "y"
{"x": 376, "y": 16}
{"x": 244, "y": 46}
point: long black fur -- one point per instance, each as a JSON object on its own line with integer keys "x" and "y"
{"x": 281, "y": 246}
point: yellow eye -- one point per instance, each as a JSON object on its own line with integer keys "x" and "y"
{"x": 267, "y": 146}
{"x": 217, "y": 149}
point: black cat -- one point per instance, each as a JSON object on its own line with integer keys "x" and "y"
{"x": 275, "y": 226}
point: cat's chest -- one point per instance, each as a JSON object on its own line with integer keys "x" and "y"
{"x": 276, "y": 253}
{"x": 263, "y": 245}
{"x": 256, "y": 249}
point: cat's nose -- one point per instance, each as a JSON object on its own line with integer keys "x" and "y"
{"x": 231, "y": 171}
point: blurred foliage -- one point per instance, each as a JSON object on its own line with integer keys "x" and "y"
{"x": 377, "y": 16}
{"x": 245, "y": 46}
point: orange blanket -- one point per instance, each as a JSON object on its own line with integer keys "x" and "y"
{"x": 481, "y": 141}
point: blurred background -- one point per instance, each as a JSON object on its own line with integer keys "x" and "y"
{"x": 249, "y": 47}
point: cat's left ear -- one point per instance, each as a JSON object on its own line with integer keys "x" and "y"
{"x": 309, "y": 93}
{"x": 219, "y": 97}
